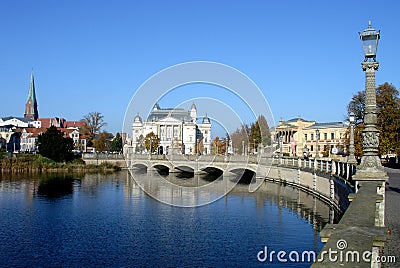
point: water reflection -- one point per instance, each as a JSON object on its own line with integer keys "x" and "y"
{"x": 107, "y": 220}
{"x": 57, "y": 186}
{"x": 305, "y": 205}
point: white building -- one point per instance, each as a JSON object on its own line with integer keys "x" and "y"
{"x": 177, "y": 129}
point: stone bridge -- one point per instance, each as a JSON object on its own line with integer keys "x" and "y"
{"x": 362, "y": 225}
{"x": 329, "y": 180}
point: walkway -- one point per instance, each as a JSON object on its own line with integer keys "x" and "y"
{"x": 392, "y": 215}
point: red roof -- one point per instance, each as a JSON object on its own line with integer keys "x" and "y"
{"x": 54, "y": 121}
{"x": 77, "y": 124}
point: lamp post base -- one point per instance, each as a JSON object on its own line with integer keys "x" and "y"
{"x": 370, "y": 169}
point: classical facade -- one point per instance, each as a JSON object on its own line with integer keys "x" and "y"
{"x": 299, "y": 135}
{"x": 177, "y": 129}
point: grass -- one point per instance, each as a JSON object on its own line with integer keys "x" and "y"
{"x": 38, "y": 163}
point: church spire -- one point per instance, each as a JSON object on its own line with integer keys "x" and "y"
{"x": 31, "y": 110}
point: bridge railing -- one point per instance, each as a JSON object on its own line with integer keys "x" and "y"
{"x": 102, "y": 156}
{"x": 336, "y": 168}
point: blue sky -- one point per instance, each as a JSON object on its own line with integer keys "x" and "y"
{"x": 88, "y": 56}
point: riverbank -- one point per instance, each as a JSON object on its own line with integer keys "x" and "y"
{"x": 27, "y": 163}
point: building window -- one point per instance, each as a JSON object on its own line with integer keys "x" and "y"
{"x": 169, "y": 132}
{"x": 332, "y": 136}
{"x": 312, "y": 136}
{"x": 312, "y": 148}
{"x": 206, "y": 132}
{"x": 305, "y": 136}
{"x": 325, "y": 136}
{"x": 176, "y": 131}
{"x": 190, "y": 138}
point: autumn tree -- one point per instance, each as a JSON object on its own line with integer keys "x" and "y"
{"x": 218, "y": 146}
{"x": 151, "y": 142}
{"x": 388, "y": 118}
{"x": 102, "y": 142}
{"x": 94, "y": 122}
{"x": 240, "y": 139}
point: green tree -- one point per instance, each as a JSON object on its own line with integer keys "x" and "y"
{"x": 151, "y": 142}
{"x": 264, "y": 131}
{"x": 116, "y": 143}
{"x": 53, "y": 145}
{"x": 94, "y": 122}
{"x": 255, "y": 136}
{"x": 388, "y": 118}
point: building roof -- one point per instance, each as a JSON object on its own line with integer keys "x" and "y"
{"x": 206, "y": 120}
{"x": 23, "y": 119}
{"x": 326, "y": 125}
{"x": 297, "y": 119}
{"x": 37, "y": 131}
{"x": 32, "y": 92}
{"x": 74, "y": 124}
{"x": 54, "y": 121}
{"x": 177, "y": 113}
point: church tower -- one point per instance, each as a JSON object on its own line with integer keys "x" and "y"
{"x": 193, "y": 113}
{"x": 31, "y": 110}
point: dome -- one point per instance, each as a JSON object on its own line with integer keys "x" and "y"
{"x": 137, "y": 119}
{"x": 206, "y": 120}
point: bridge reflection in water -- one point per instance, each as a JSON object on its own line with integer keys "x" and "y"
{"x": 305, "y": 205}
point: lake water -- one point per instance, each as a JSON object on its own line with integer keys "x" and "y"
{"x": 107, "y": 220}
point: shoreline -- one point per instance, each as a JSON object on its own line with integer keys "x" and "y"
{"x": 38, "y": 164}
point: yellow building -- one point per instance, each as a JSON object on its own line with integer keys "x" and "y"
{"x": 299, "y": 135}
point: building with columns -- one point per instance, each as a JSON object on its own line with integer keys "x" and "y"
{"x": 178, "y": 130}
{"x": 299, "y": 134}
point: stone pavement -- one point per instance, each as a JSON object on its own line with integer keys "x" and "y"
{"x": 392, "y": 216}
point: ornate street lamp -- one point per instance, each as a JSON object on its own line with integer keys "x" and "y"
{"x": 370, "y": 39}
{"x": 370, "y": 167}
{"x": 352, "y": 159}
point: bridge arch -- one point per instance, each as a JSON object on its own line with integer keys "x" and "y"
{"x": 244, "y": 175}
{"x": 187, "y": 169}
{"x": 162, "y": 169}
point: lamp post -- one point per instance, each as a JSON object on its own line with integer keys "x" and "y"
{"x": 316, "y": 144}
{"x": 352, "y": 159}
{"x": 370, "y": 167}
{"x": 281, "y": 145}
{"x": 226, "y": 146}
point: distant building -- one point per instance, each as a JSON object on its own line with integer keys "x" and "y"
{"x": 29, "y": 137}
{"x": 20, "y": 134}
{"x": 31, "y": 107}
{"x": 16, "y": 122}
{"x": 299, "y": 134}
{"x": 177, "y": 129}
